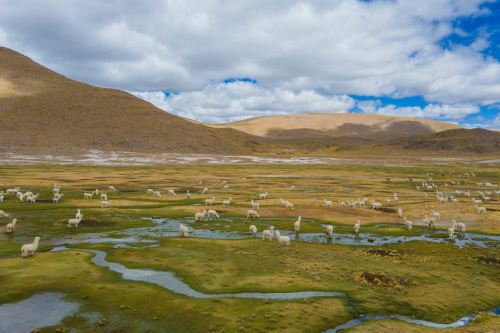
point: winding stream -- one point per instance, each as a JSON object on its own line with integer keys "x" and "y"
{"x": 170, "y": 281}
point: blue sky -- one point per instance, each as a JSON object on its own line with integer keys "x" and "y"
{"x": 437, "y": 59}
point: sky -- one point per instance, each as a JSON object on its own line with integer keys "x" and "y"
{"x": 227, "y": 60}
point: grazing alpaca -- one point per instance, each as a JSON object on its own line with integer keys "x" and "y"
{"x": 283, "y": 240}
{"x": 288, "y": 204}
{"x": 212, "y": 214}
{"x": 75, "y": 222}
{"x": 481, "y": 210}
{"x": 255, "y": 205}
{"x": 3, "y": 214}
{"x": 11, "y": 226}
{"x": 112, "y": 188}
{"x": 408, "y": 223}
{"x": 57, "y": 197}
{"x": 357, "y": 226}
{"x": 183, "y": 230}
{"x": 171, "y": 192}
{"x": 210, "y": 202}
{"x": 268, "y": 233}
{"x": 205, "y": 190}
{"x": 451, "y": 233}
{"x": 105, "y": 204}
{"x": 253, "y": 230}
{"x": 30, "y": 249}
{"x": 200, "y": 216}
{"x": 157, "y": 194}
{"x": 296, "y": 225}
{"x": 227, "y": 202}
{"x": 329, "y": 231}
{"x": 461, "y": 228}
{"x": 150, "y": 191}
{"x": 263, "y": 195}
{"x": 252, "y": 213}
{"x": 376, "y": 205}
{"x": 327, "y": 203}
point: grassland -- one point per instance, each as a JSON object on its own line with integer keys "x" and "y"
{"x": 435, "y": 282}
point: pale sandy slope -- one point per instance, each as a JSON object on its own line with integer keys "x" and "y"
{"x": 336, "y": 124}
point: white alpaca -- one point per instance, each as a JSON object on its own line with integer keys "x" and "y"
{"x": 150, "y": 191}
{"x": 171, "y": 192}
{"x": 11, "y": 226}
{"x": 200, "y": 216}
{"x": 376, "y": 205}
{"x": 268, "y": 233}
{"x": 188, "y": 194}
{"x": 30, "y": 249}
{"x": 56, "y": 188}
{"x": 263, "y": 195}
{"x": 112, "y": 188}
{"x": 296, "y": 225}
{"x": 283, "y": 240}
{"x": 96, "y": 191}
{"x": 227, "y": 202}
{"x": 210, "y": 202}
{"x": 408, "y": 224}
{"x": 3, "y": 214}
{"x": 32, "y": 198}
{"x": 57, "y": 197}
{"x": 429, "y": 221}
{"x": 329, "y": 231}
{"x": 288, "y": 205}
{"x": 157, "y": 194}
{"x": 342, "y": 204}
{"x": 481, "y": 210}
{"x": 253, "y": 230}
{"x": 205, "y": 190}
{"x": 1, "y": 197}
{"x": 451, "y": 233}
{"x": 13, "y": 190}
{"x": 291, "y": 188}
{"x": 105, "y": 203}
{"x": 104, "y": 197}
{"x": 252, "y": 213}
{"x": 78, "y": 214}
{"x": 327, "y": 203}
{"x": 88, "y": 195}
{"x": 357, "y": 226}
{"x": 461, "y": 228}
{"x": 20, "y": 196}
{"x": 400, "y": 212}
{"x": 212, "y": 214}
{"x": 75, "y": 222}
{"x": 183, "y": 230}
{"x": 255, "y": 205}
{"x": 436, "y": 215}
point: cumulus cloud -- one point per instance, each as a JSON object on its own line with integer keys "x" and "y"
{"x": 341, "y": 47}
{"x": 435, "y": 111}
{"x": 237, "y": 100}
{"x": 299, "y": 51}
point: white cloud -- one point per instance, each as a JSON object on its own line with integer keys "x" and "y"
{"x": 221, "y": 102}
{"x": 341, "y": 47}
{"x": 435, "y": 111}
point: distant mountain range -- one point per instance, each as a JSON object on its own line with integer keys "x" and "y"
{"x": 42, "y": 112}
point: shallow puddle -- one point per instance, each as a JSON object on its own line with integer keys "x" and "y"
{"x": 40, "y": 310}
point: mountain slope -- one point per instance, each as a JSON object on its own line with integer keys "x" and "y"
{"x": 44, "y": 112}
{"x": 475, "y": 140}
{"x": 310, "y": 125}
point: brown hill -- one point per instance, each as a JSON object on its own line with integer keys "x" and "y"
{"x": 310, "y": 125}
{"x": 44, "y": 112}
{"x": 475, "y": 140}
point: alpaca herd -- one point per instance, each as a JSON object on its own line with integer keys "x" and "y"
{"x": 444, "y": 195}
